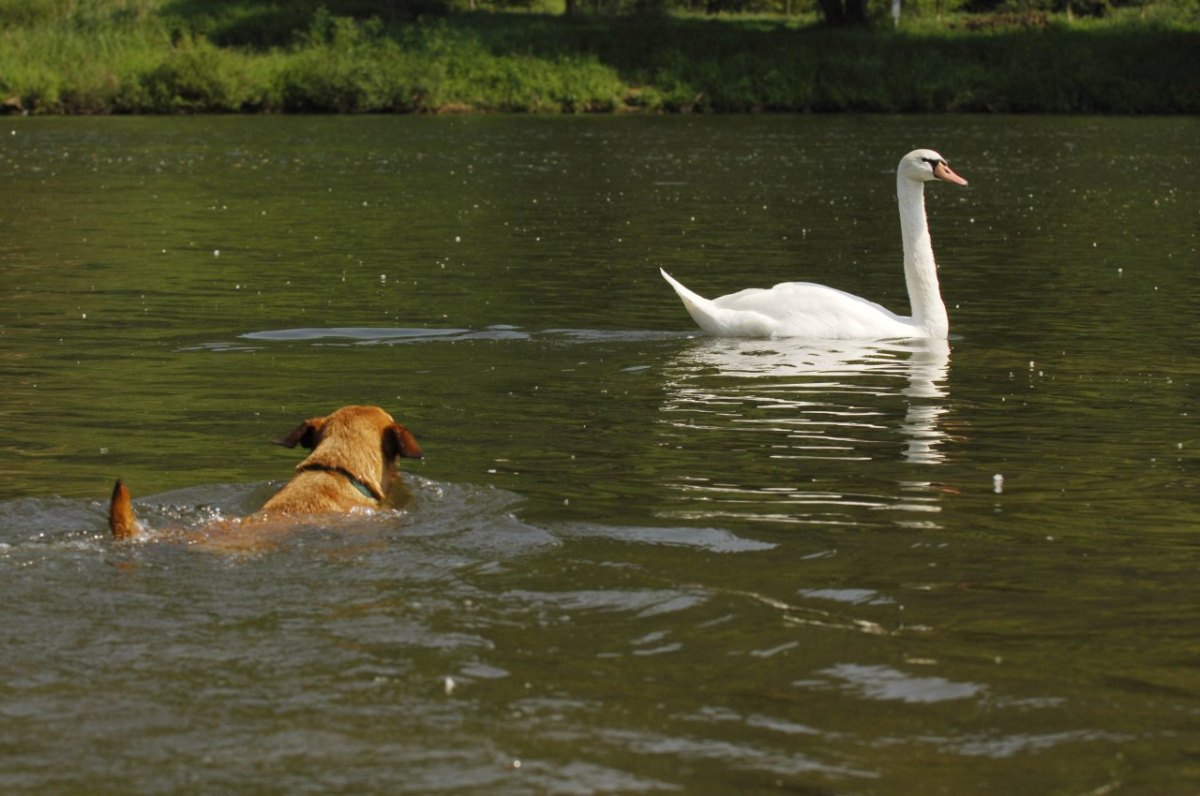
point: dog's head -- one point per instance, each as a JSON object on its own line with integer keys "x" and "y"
{"x": 361, "y": 440}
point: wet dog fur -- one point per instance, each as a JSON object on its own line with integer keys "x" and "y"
{"x": 352, "y": 465}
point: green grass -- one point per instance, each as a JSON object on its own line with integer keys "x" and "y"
{"x": 222, "y": 56}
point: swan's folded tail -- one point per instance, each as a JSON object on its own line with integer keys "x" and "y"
{"x": 121, "y": 520}
{"x": 692, "y": 301}
{"x": 717, "y": 320}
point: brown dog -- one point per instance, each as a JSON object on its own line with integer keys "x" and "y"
{"x": 352, "y": 465}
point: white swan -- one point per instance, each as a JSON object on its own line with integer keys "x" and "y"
{"x": 802, "y": 309}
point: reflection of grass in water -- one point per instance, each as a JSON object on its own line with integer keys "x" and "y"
{"x": 184, "y": 56}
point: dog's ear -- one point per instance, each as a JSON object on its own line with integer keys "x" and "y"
{"x": 307, "y": 434}
{"x": 399, "y": 441}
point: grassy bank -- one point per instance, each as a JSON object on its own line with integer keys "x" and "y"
{"x": 159, "y": 56}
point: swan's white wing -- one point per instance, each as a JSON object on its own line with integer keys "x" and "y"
{"x": 803, "y": 309}
{"x": 793, "y": 309}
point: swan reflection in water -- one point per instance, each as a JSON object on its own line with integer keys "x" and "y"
{"x": 827, "y": 405}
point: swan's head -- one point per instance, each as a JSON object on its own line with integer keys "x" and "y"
{"x": 923, "y": 165}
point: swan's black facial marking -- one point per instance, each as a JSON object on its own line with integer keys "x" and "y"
{"x": 934, "y": 161}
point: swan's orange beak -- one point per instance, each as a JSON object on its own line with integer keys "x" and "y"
{"x": 943, "y": 172}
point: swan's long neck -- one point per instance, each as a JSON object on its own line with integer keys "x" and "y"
{"x": 920, "y": 270}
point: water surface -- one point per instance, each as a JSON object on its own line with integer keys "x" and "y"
{"x": 635, "y": 559}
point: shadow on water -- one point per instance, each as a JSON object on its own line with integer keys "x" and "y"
{"x": 400, "y": 336}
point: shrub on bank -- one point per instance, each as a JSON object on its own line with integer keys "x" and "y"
{"x": 196, "y": 77}
{"x": 431, "y": 68}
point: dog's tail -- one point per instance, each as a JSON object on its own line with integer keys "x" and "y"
{"x": 121, "y": 520}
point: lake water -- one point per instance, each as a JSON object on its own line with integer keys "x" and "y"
{"x": 636, "y": 560}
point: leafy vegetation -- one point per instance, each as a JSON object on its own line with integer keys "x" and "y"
{"x": 357, "y": 56}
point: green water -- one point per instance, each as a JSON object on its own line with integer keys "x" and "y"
{"x": 648, "y": 561}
